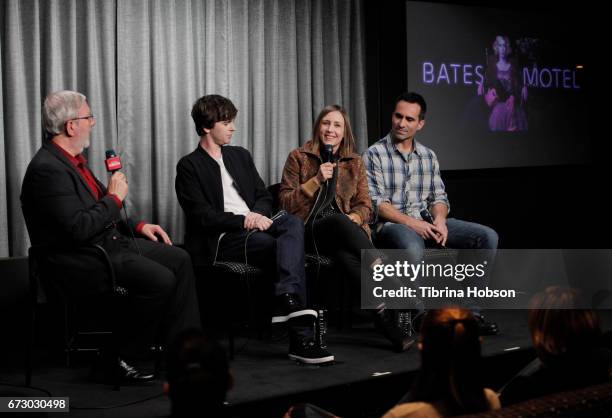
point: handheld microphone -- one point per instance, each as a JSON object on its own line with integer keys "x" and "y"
{"x": 112, "y": 161}
{"x": 328, "y": 156}
{"x": 113, "y": 164}
{"x": 328, "y": 153}
{"x": 426, "y": 215}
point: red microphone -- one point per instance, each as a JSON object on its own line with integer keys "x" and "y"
{"x": 113, "y": 161}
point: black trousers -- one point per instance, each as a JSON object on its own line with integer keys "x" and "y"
{"x": 342, "y": 240}
{"x": 161, "y": 286}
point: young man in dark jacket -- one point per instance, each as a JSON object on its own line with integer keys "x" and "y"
{"x": 229, "y": 218}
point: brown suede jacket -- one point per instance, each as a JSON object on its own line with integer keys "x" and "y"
{"x": 300, "y": 187}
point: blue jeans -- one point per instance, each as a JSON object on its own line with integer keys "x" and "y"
{"x": 461, "y": 235}
{"x": 279, "y": 250}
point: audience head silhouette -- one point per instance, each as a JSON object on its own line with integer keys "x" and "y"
{"x": 198, "y": 376}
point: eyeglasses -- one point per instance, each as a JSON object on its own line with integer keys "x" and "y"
{"x": 83, "y": 117}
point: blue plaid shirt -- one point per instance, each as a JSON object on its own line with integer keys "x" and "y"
{"x": 411, "y": 182}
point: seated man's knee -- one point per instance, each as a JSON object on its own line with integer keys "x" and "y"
{"x": 293, "y": 223}
{"x": 489, "y": 238}
{"x": 182, "y": 256}
{"x": 415, "y": 251}
{"x": 177, "y": 260}
{"x": 401, "y": 237}
{"x": 261, "y": 248}
{"x": 261, "y": 240}
{"x": 163, "y": 282}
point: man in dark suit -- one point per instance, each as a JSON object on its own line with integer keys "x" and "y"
{"x": 229, "y": 218}
{"x": 67, "y": 209}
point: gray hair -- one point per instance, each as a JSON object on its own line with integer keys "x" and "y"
{"x": 58, "y": 108}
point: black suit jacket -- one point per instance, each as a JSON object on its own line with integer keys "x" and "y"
{"x": 63, "y": 215}
{"x": 200, "y": 193}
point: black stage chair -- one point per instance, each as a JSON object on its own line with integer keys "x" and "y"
{"x": 49, "y": 289}
{"x": 229, "y": 286}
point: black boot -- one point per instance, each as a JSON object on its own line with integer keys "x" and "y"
{"x": 304, "y": 346}
{"x": 385, "y": 322}
{"x": 321, "y": 329}
{"x": 486, "y": 327}
{"x": 288, "y": 306}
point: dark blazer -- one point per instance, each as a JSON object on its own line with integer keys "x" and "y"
{"x": 62, "y": 214}
{"x": 200, "y": 193}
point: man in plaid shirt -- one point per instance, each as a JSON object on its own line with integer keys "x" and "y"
{"x": 405, "y": 183}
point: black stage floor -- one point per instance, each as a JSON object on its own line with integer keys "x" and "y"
{"x": 366, "y": 379}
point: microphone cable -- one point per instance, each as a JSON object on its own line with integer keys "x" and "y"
{"x": 312, "y": 231}
{"x": 247, "y": 283}
{"x": 132, "y": 236}
{"x": 113, "y": 164}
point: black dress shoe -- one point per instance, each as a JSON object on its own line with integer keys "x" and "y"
{"x": 386, "y": 324}
{"x": 130, "y": 374}
{"x": 486, "y": 327}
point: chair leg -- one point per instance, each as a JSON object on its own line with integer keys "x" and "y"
{"x": 115, "y": 347}
{"x": 230, "y": 337}
{"x": 346, "y": 304}
{"x": 115, "y": 358}
{"x": 67, "y": 337}
{"x": 158, "y": 355}
{"x": 28, "y": 365}
{"x": 116, "y": 372}
{"x": 30, "y": 346}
